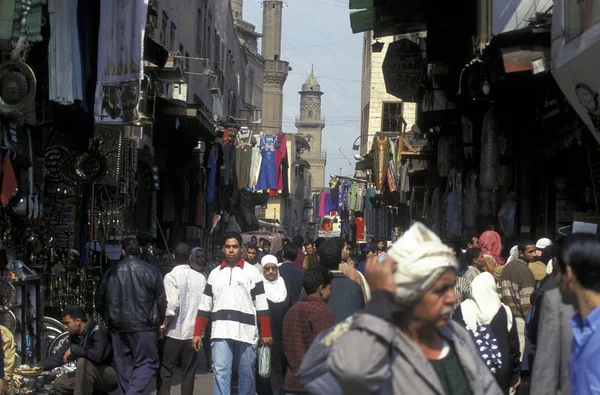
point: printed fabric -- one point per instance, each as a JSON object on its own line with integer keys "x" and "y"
{"x": 267, "y": 178}
{"x": 487, "y": 347}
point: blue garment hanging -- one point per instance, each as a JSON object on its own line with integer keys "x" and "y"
{"x": 267, "y": 178}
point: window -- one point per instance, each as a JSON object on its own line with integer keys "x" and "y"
{"x": 580, "y": 15}
{"x": 217, "y": 51}
{"x": 163, "y": 29}
{"x": 172, "y": 37}
{"x": 391, "y": 121}
{"x": 199, "y": 33}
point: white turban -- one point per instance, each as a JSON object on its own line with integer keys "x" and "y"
{"x": 543, "y": 243}
{"x": 421, "y": 258}
{"x": 269, "y": 258}
{"x": 514, "y": 254}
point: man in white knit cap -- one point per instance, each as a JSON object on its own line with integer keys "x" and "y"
{"x": 403, "y": 341}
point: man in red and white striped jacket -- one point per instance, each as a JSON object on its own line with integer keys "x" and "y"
{"x": 233, "y": 298}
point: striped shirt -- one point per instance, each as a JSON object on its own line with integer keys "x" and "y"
{"x": 233, "y": 299}
{"x": 462, "y": 289}
{"x": 516, "y": 286}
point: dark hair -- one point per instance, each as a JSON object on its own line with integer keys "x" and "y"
{"x": 252, "y": 237}
{"x": 580, "y": 251}
{"x": 144, "y": 238}
{"x": 330, "y": 253}
{"x": 252, "y": 247}
{"x": 261, "y": 239}
{"x": 290, "y": 252}
{"x": 313, "y": 278}
{"x": 267, "y": 243}
{"x": 234, "y": 235}
{"x": 285, "y": 241}
{"x": 467, "y": 240}
{"x": 75, "y": 312}
{"x": 319, "y": 241}
{"x": 524, "y": 244}
{"x": 279, "y": 256}
{"x": 131, "y": 246}
{"x": 351, "y": 244}
{"x": 298, "y": 240}
{"x": 548, "y": 253}
{"x": 472, "y": 254}
{"x": 182, "y": 253}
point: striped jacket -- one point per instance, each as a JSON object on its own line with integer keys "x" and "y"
{"x": 233, "y": 299}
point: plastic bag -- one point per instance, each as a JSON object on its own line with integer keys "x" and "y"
{"x": 264, "y": 361}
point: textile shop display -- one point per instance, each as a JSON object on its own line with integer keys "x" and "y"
{"x": 229, "y": 157}
{"x": 243, "y": 157}
{"x": 280, "y": 155}
{"x": 64, "y": 56}
{"x": 120, "y": 69}
{"x": 267, "y": 178}
{"x": 381, "y": 149}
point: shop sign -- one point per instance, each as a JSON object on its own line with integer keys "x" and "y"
{"x": 578, "y": 79}
{"x": 403, "y": 69}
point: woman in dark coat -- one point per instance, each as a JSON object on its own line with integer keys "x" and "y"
{"x": 279, "y": 304}
{"x": 493, "y": 329}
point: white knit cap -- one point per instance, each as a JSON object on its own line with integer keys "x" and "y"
{"x": 543, "y": 243}
{"x": 269, "y": 258}
{"x": 421, "y": 258}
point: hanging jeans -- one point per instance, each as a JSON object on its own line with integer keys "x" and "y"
{"x": 224, "y": 352}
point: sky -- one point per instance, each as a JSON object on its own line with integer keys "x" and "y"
{"x": 317, "y": 32}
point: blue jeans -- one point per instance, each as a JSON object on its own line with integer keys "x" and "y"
{"x": 224, "y": 352}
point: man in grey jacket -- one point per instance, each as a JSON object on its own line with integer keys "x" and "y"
{"x": 404, "y": 341}
{"x": 550, "y": 374}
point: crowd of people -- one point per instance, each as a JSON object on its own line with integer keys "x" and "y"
{"x": 418, "y": 317}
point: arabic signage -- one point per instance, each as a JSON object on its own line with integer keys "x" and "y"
{"x": 403, "y": 69}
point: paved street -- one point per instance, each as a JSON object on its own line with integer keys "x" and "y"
{"x": 204, "y": 381}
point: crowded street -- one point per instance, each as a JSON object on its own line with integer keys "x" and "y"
{"x": 310, "y": 197}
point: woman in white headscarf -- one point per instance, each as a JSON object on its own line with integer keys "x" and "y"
{"x": 279, "y": 304}
{"x": 493, "y": 329}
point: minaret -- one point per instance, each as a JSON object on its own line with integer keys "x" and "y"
{"x": 276, "y": 70}
{"x": 310, "y": 126}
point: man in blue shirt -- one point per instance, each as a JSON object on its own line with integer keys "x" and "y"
{"x": 578, "y": 275}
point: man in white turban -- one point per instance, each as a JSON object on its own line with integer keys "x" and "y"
{"x": 403, "y": 341}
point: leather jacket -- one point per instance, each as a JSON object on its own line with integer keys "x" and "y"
{"x": 91, "y": 344}
{"x": 131, "y": 296}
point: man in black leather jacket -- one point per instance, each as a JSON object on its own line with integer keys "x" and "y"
{"x": 89, "y": 346}
{"x": 131, "y": 299}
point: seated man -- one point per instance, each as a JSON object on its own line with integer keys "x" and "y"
{"x": 88, "y": 344}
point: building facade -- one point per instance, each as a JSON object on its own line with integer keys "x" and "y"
{"x": 380, "y": 111}
{"x": 310, "y": 125}
{"x": 202, "y": 37}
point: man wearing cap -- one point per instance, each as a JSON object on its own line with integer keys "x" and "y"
{"x": 368, "y": 250}
{"x": 404, "y": 341}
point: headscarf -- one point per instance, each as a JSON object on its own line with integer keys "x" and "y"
{"x": 491, "y": 244}
{"x": 514, "y": 254}
{"x": 483, "y": 304}
{"x": 193, "y": 264}
{"x": 421, "y": 258}
{"x": 275, "y": 290}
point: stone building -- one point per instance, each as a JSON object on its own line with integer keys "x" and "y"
{"x": 310, "y": 125}
{"x": 380, "y": 111}
{"x": 276, "y": 70}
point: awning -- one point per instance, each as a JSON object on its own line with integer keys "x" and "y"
{"x": 191, "y": 120}
{"x": 172, "y": 75}
{"x": 387, "y": 17}
{"x": 154, "y": 52}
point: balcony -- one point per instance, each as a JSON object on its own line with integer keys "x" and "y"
{"x": 315, "y": 123}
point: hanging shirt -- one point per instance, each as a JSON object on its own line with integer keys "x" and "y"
{"x": 360, "y": 228}
{"x": 280, "y": 154}
{"x": 584, "y": 370}
{"x": 322, "y": 204}
{"x": 360, "y": 196}
{"x": 229, "y": 153}
{"x": 255, "y": 163}
{"x": 353, "y": 195}
{"x": 267, "y": 178}
{"x": 370, "y": 194}
{"x": 212, "y": 175}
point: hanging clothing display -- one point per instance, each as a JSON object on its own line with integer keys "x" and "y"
{"x": 360, "y": 196}
{"x": 369, "y": 195}
{"x": 255, "y": 164}
{"x": 64, "y": 56}
{"x": 334, "y": 186}
{"x": 360, "y": 228}
{"x": 329, "y": 207}
{"x": 120, "y": 68}
{"x": 243, "y": 158}
{"x": 212, "y": 174}
{"x": 322, "y": 204}
{"x": 280, "y": 154}
{"x": 392, "y": 182}
{"x": 229, "y": 154}
{"x": 9, "y": 181}
{"x": 285, "y": 166}
{"x": 352, "y": 197}
{"x": 382, "y": 149}
{"x": 267, "y": 178}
